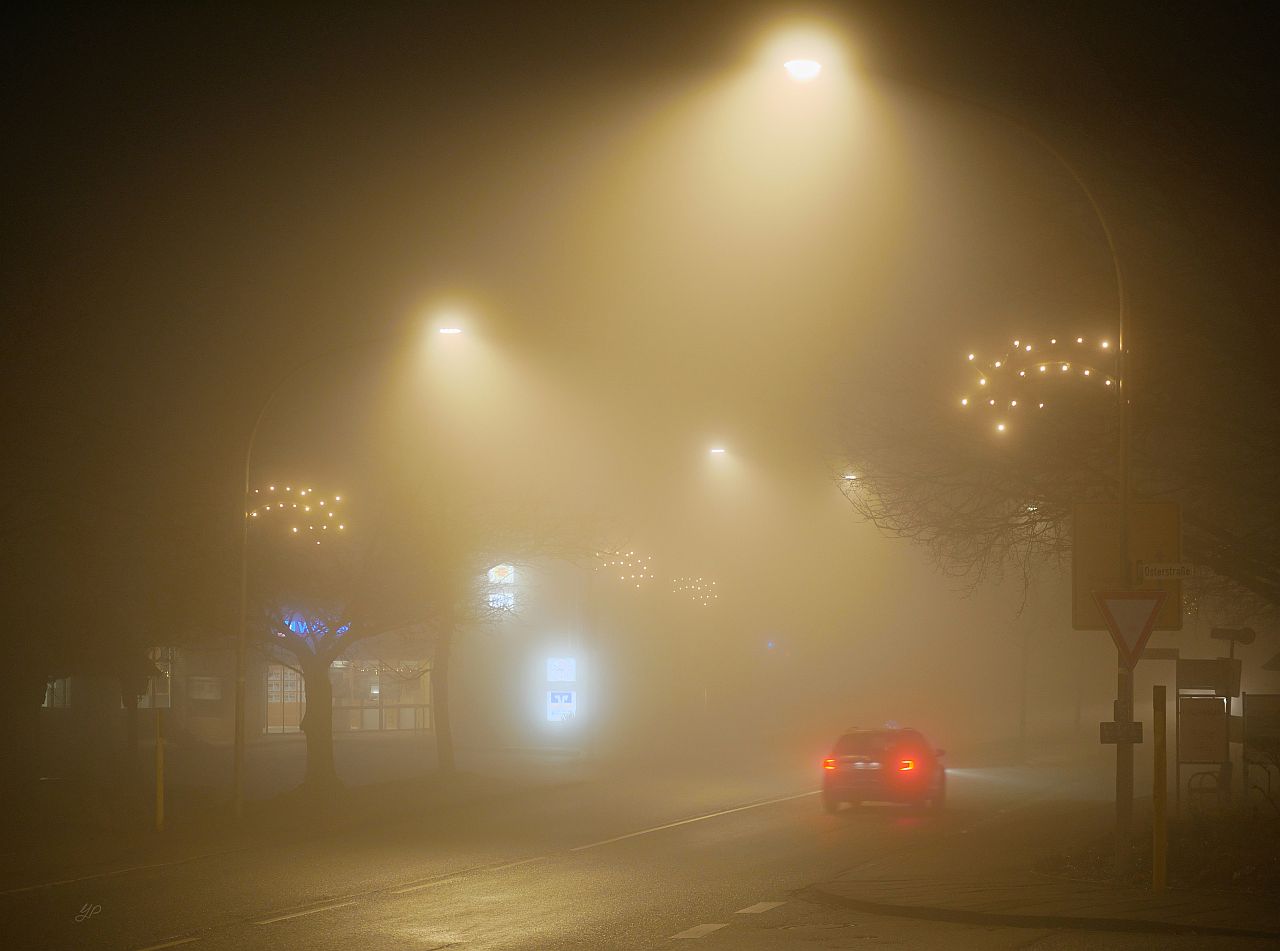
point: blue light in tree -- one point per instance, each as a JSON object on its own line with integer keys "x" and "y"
{"x": 312, "y": 630}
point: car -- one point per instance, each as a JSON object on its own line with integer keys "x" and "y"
{"x": 893, "y": 764}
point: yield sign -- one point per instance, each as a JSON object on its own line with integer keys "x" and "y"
{"x": 1130, "y": 617}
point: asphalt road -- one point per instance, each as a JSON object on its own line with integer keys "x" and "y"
{"x": 706, "y": 856}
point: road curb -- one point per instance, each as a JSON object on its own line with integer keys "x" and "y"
{"x": 820, "y": 896}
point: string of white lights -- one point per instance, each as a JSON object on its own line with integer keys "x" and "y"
{"x": 1069, "y": 359}
{"x": 307, "y": 512}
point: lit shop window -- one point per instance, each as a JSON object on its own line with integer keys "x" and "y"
{"x": 57, "y": 693}
{"x": 501, "y": 595}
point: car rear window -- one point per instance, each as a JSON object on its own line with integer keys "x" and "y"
{"x": 863, "y": 744}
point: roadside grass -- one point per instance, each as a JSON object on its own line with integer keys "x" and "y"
{"x": 1236, "y": 851}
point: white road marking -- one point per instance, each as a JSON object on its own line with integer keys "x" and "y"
{"x": 685, "y": 822}
{"x": 168, "y": 944}
{"x": 499, "y": 868}
{"x": 758, "y": 908}
{"x": 299, "y": 914}
{"x": 697, "y": 931}
{"x": 454, "y": 876}
{"x": 119, "y": 871}
{"x": 443, "y": 880}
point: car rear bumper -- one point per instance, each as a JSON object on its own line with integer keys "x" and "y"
{"x": 875, "y": 789}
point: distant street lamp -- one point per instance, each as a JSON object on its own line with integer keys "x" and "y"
{"x": 1123, "y": 386}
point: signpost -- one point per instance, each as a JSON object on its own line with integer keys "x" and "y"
{"x": 1130, "y": 616}
{"x": 1108, "y": 555}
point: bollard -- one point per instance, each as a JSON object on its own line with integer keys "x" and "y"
{"x": 159, "y": 771}
{"x": 1159, "y": 795}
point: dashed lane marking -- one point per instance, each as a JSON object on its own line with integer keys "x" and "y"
{"x": 685, "y": 822}
{"x": 300, "y": 914}
{"x": 697, "y": 931}
{"x": 111, "y": 873}
{"x": 168, "y": 944}
{"x": 758, "y": 908}
{"x": 449, "y": 877}
{"x": 499, "y": 868}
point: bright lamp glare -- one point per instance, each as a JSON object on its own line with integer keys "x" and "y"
{"x": 802, "y": 70}
{"x": 717, "y": 451}
{"x": 451, "y": 330}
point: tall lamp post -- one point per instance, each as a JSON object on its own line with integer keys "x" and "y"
{"x": 807, "y": 70}
{"x": 242, "y": 635}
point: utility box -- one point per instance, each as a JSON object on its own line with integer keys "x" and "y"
{"x": 1219, "y": 674}
{"x": 1204, "y": 731}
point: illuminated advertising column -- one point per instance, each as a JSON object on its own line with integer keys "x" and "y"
{"x": 562, "y": 694}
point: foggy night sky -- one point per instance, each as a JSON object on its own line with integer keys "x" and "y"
{"x": 200, "y": 197}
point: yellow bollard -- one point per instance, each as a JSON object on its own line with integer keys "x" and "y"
{"x": 159, "y": 771}
{"x": 1159, "y": 796}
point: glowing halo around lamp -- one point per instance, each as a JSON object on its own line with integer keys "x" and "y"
{"x": 802, "y": 70}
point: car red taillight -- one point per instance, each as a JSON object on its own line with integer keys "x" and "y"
{"x": 829, "y": 763}
{"x": 906, "y": 765}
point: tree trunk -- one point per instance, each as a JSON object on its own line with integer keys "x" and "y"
{"x": 440, "y": 700}
{"x": 317, "y": 726}
{"x": 1023, "y": 694}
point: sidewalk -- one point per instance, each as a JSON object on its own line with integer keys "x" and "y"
{"x": 983, "y": 874}
{"x": 199, "y": 821}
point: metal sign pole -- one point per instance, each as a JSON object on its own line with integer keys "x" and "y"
{"x": 1159, "y": 794}
{"x": 1124, "y": 675}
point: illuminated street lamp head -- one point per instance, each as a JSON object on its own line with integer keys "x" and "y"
{"x": 802, "y": 70}
{"x": 450, "y": 330}
{"x": 717, "y": 451}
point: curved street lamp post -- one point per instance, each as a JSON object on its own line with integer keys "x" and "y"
{"x": 808, "y": 72}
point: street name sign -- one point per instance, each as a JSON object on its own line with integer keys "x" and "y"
{"x": 1156, "y": 572}
{"x": 1099, "y": 563}
{"x": 1130, "y": 616}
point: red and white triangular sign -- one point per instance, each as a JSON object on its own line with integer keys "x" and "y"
{"x": 1130, "y": 617}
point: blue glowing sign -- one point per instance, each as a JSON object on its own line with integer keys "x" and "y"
{"x": 561, "y": 705}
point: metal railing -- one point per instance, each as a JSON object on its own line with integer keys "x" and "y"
{"x": 380, "y": 717}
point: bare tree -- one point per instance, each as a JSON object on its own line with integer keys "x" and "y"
{"x": 984, "y": 500}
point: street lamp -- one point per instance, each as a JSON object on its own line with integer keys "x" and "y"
{"x": 242, "y": 638}
{"x": 1124, "y": 391}
{"x": 803, "y": 70}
